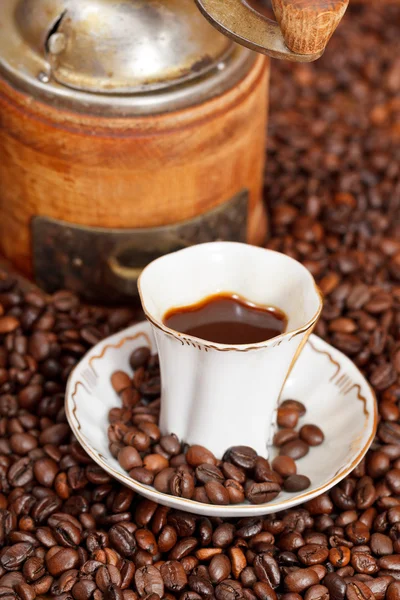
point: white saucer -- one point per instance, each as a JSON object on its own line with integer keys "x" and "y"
{"x": 337, "y": 397}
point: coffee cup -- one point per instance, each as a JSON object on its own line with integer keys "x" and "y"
{"x": 220, "y": 395}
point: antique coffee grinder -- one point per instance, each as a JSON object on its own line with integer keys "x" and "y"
{"x": 132, "y": 128}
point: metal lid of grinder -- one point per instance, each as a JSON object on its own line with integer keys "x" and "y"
{"x": 134, "y": 56}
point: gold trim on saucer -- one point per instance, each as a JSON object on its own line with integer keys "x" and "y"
{"x": 119, "y": 345}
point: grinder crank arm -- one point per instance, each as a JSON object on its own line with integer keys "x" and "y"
{"x": 301, "y": 33}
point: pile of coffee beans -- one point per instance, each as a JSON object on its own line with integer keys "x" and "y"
{"x": 192, "y": 471}
{"x": 332, "y": 182}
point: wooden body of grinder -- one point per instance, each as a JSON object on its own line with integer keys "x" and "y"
{"x": 129, "y": 129}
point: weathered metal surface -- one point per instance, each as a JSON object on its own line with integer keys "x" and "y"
{"x": 104, "y": 264}
{"x": 119, "y": 57}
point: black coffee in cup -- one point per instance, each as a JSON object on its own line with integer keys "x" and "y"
{"x": 227, "y": 318}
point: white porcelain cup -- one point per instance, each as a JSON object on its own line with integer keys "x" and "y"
{"x": 221, "y": 395}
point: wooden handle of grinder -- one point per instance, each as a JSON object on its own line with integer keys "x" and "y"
{"x": 307, "y": 25}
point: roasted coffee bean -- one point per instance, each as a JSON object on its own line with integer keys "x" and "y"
{"x": 34, "y": 569}
{"x": 317, "y": 592}
{"x": 249, "y": 527}
{"x": 223, "y": 535}
{"x": 12, "y": 557}
{"x": 219, "y": 568}
{"x": 383, "y": 376}
{"x": 262, "y": 470}
{"x": 295, "y": 449}
{"x": 389, "y": 432}
{"x": 96, "y": 475}
{"x": 45, "y": 471}
{"x": 59, "y": 560}
{"x": 287, "y": 417}
{"x": 182, "y": 484}
{"x": 284, "y": 436}
{"x": 390, "y": 562}
{"x": 83, "y": 589}
{"x": 183, "y": 548}
{"x": 336, "y": 586}
{"x": 242, "y": 456}
{"x": 198, "y": 455}
{"x": 54, "y": 434}
{"x": 261, "y": 541}
{"x": 291, "y": 541}
{"x": 296, "y": 483}
{"x": 120, "y": 381}
{"x": 393, "y": 591}
{"x": 106, "y": 576}
{"x": 206, "y": 473}
{"x": 259, "y": 493}
{"x": 235, "y": 491}
{"x": 148, "y": 580}
{"x": 150, "y": 388}
{"x": 122, "y": 540}
{"x": 155, "y": 463}
{"x": 23, "y": 443}
{"x": 65, "y": 301}
{"x": 264, "y": 591}
{"x": 129, "y": 458}
{"x": 378, "y": 586}
{"x": 312, "y": 435}
{"x": 266, "y": 569}
{"x": 284, "y": 465}
{"x": 381, "y": 544}
{"x": 363, "y": 562}
{"x": 248, "y": 577}
{"x": 313, "y": 554}
{"x": 341, "y": 499}
{"x": 378, "y": 464}
{"x": 127, "y": 573}
{"x": 145, "y": 539}
{"x": 205, "y": 531}
{"x": 174, "y": 576}
{"x": 189, "y": 595}
{"x": 238, "y": 561}
{"x": 357, "y": 590}
{"x": 358, "y": 533}
{"x": 339, "y": 556}
{"x": 170, "y": 444}
{"x": 67, "y": 533}
{"x": 142, "y": 475}
{"x": 216, "y": 492}
{"x": 393, "y": 480}
{"x": 294, "y": 405}
{"x": 229, "y": 590}
{"x": 301, "y": 579}
{"x": 151, "y": 430}
{"x": 201, "y": 586}
{"x": 139, "y": 357}
{"x": 167, "y": 538}
{"x": 183, "y": 522}
{"x": 232, "y": 472}
{"x": 8, "y": 324}
{"x": 162, "y": 480}
{"x": 21, "y": 472}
